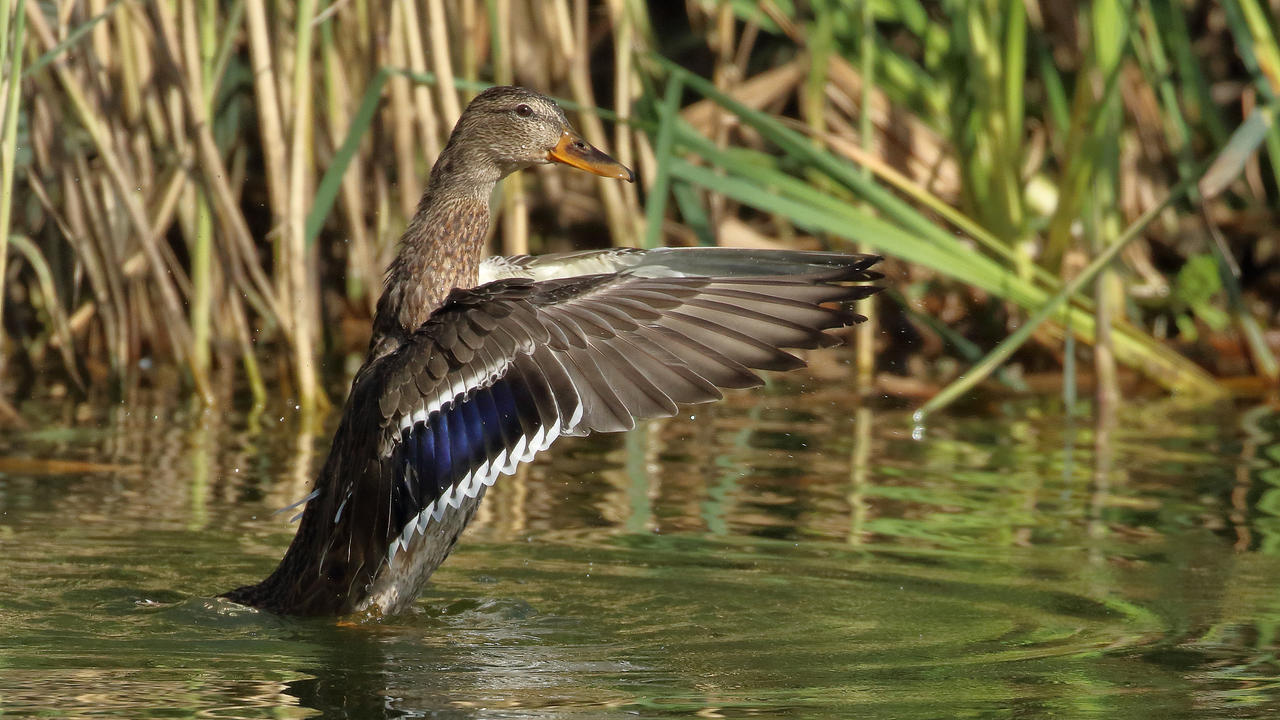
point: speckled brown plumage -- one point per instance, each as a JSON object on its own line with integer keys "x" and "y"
{"x": 440, "y": 251}
{"x": 441, "y": 248}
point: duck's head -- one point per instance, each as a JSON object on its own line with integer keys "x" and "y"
{"x": 509, "y": 128}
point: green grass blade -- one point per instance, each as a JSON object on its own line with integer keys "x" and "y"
{"x": 656, "y": 199}
{"x": 776, "y": 192}
{"x": 331, "y": 183}
{"x": 752, "y": 178}
{"x": 797, "y": 145}
{"x": 1054, "y": 89}
{"x": 691, "y": 211}
{"x": 1171, "y": 23}
{"x": 1244, "y": 142}
{"x": 1006, "y": 348}
{"x": 1257, "y": 48}
{"x": 1265, "y": 48}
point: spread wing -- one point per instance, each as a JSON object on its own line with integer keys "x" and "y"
{"x": 502, "y": 370}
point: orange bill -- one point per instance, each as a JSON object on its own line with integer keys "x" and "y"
{"x": 572, "y": 150}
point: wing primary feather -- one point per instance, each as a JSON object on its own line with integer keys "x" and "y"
{"x": 617, "y": 320}
{"x": 558, "y": 336}
{"x": 562, "y": 317}
{"x": 740, "y": 347}
{"x": 669, "y": 373}
{"x": 788, "y": 333}
{"x": 603, "y": 410}
{"x": 591, "y": 324}
{"x": 658, "y": 298}
{"x": 634, "y": 310}
{"x": 507, "y": 340}
{"x": 649, "y": 400}
{"x": 705, "y": 361}
{"x": 803, "y": 290}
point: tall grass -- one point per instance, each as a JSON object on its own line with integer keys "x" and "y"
{"x": 11, "y": 48}
{"x": 216, "y": 186}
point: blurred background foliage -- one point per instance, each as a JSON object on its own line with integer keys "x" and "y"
{"x": 207, "y": 191}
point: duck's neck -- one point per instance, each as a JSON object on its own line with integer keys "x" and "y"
{"x": 439, "y": 251}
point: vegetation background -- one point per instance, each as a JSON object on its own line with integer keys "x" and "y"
{"x": 206, "y": 192}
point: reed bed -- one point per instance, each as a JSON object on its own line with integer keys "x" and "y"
{"x": 209, "y": 191}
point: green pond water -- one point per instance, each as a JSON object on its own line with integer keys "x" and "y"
{"x": 780, "y": 554}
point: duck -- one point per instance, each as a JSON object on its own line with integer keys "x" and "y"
{"x": 476, "y": 365}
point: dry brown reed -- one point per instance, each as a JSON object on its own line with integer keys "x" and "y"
{"x": 176, "y": 148}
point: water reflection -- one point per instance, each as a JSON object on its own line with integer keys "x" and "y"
{"x": 352, "y": 677}
{"x": 780, "y": 553}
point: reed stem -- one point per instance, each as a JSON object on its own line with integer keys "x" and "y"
{"x": 12, "y": 59}
{"x": 304, "y": 299}
{"x": 865, "y": 333}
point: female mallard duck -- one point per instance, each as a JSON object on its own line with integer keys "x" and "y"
{"x": 476, "y": 366}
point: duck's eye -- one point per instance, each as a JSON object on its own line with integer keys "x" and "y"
{"x": 524, "y": 110}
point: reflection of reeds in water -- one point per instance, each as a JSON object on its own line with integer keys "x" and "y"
{"x": 751, "y": 467}
{"x": 745, "y": 464}
{"x": 168, "y": 168}
{"x": 758, "y": 464}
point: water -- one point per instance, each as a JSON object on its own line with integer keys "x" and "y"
{"x": 776, "y": 555}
